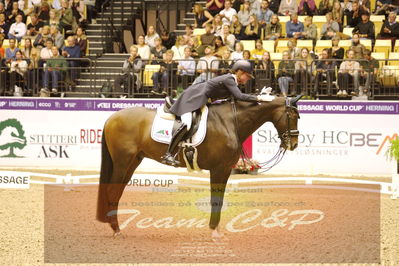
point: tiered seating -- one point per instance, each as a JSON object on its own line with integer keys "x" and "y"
{"x": 383, "y": 46}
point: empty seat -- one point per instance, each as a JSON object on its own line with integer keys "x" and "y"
{"x": 393, "y": 56}
{"x": 366, "y": 43}
{"x": 281, "y": 46}
{"x": 269, "y": 45}
{"x": 305, "y": 44}
{"x": 248, "y": 44}
{"x": 383, "y": 46}
{"x": 322, "y": 44}
{"x": 380, "y": 57}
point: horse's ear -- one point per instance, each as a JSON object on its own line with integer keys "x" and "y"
{"x": 294, "y": 101}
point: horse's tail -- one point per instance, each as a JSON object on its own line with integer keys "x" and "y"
{"x": 105, "y": 177}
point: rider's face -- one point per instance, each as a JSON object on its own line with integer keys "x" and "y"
{"x": 243, "y": 77}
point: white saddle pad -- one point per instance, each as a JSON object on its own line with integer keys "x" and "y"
{"x": 162, "y": 127}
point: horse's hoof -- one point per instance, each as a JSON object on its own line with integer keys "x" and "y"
{"x": 217, "y": 236}
{"x": 118, "y": 235}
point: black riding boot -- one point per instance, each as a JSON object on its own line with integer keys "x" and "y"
{"x": 178, "y": 136}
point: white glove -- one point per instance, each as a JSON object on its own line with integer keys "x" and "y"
{"x": 266, "y": 90}
{"x": 265, "y": 98}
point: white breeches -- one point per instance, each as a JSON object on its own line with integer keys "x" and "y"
{"x": 186, "y": 119}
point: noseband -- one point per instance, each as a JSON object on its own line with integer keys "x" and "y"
{"x": 288, "y": 133}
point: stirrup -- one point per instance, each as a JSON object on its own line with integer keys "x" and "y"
{"x": 170, "y": 160}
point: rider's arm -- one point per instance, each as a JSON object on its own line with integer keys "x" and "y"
{"x": 231, "y": 85}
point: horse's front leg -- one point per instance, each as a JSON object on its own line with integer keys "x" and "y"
{"x": 218, "y": 186}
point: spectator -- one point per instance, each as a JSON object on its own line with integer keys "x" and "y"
{"x": 53, "y": 18}
{"x": 44, "y": 13}
{"x": 130, "y": 72}
{"x": 2, "y": 8}
{"x": 207, "y": 39}
{"x": 294, "y": 28}
{"x": 18, "y": 70}
{"x": 168, "y": 39}
{"x": 11, "y": 51}
{"x": 228, "y": 12}
{"x": 346, "y": 6}
{"x": 143, "y": 49}
{"x": 56, "y": 65}
{"x": 273, "y": 29}
{"x": 27, "y": 49}
{"x": 325, "y": 7}
{"x": 338, "y": 14}
{"x": 186, "y": 68}
{"x": 274, "y": 5}
{"x": 294, "y": 52}
{"x": 330, "y": 28}
{"x": 236, "y": 27}
{"x": 258, "y": 52}
{"x": 383, "y": 7}
{"x": 151, "y": 36}
{"x": 35, "y": 26}
{"x": 72, "y": 54}
{"x": 255, "y": 6}
{"x": 189, "y": 33}
{"x": 167, "y": 71}
{"x": 238, "y": 52}
{"x": 288, "y": 7}
{"x": 307, "y": 8}
{"x": 81, "y": 40}
{"x": 369, "y": 70}
{"x": 252, "y": 31}
{"x": 265, "y": 70}
{"x": 56, "y": 5}
{"x": 236, "y": 4}
{"x": 4, "y": 26}
{"x": 178, "y": 48}
{"x": 193, "y": 45}
{"x": 265, "y": 14}
{"x": 365, "y": 28}
{"x": 41, "y": 38}
{"x": 390, "y": 29}
{"x": 365, "y": 6}
{"x": 47, "y": 52}
{"x": 325, "y": 69}
{"x": 2, "y": 51}
{"x": 244, "y": 13}
{"x": 354, "y": 17}
{"x": 207, "y": 66}
{"x": 217, "y": 25}
{"x": 226, "y": 63}
{"x": 33, "y": 69}
{"x": 214, "y": 6}
{"x": 348, "y": 71}
{"x": 336, "y": 51}
{"x": 17, "y": 29}
{"x": 285, "y": 73}
{"x": 66, "y": 17}
{"x": 228, "y": 38}
{"x": 157, "y": 52}
{"x": 357, "y": 47}
{"x": 247, "y": 56}
{"x": 14, "y": 12}
{"x": 219, "y": 47}
{"x": 33, "y": 6}
{"x": 202, "y": 17}
{"x": 310, "y": 30}
{"x": 57, "y": 37}
{"x": 303, "y": 70}
{"x": 78, "y": 8}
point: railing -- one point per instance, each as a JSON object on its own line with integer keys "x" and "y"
{"x": 149, "y": 80}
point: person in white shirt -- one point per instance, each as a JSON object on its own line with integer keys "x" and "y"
{"x": 187, "y": 65}
{"x": 143, "y": 49}
{"x": 228, "y": 38}
{"x": 17, "y": 29}
{"x": 207, "y": 66}
{"x": 151, "y": 36}
{"x": 238, "y": 52}
{"x": 46, "y": 53}
{"x": 178, "y": 48}
{"x": 18, "y": 70}
{"x": 228, "y": 12}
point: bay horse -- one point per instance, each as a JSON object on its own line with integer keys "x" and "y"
{"x": 126, "y": 141}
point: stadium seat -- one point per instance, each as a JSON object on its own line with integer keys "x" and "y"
{"x": 319, "y": 21}
{"x": 149, "y": 70}
{"x": 348, "y": 31}
{"x": 281, "y": 46}
{"x": 283, "y": 20}
{"x": 366, "y": 43}
{"x": 383, "y": 46}
{"x": 322, "y": 44}
{"x": 276, "y": 58}
{"x": 378, "y": 20}
{"x": 305, "y": 44}
{"x": 248, "y": 44}
{"x": 393, "y": 56}
{"x": 396, "y": 47}
{"x": 198, "y": 31}
{"x": 6, "y": 44}
{"x": 301, "y": 18}
{"x": 345, "y": 44}
{"x": 380, "y": 57}
{"x": 269, "y": 45}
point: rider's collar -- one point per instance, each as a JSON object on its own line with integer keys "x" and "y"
{"x": 235, "y": 77}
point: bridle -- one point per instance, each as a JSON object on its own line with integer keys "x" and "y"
{"x": 288, "y": 133}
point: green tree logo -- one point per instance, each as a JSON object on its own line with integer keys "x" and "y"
{"x": 11, "y": 136}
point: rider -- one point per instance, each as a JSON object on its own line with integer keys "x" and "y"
{"x": 197, "y": 95}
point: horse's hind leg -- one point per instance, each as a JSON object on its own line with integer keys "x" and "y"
{"x": 122, "y": 172}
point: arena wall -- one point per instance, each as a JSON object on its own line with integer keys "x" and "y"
{"x": 339, "y": 138}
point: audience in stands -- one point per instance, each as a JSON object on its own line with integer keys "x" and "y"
{"x": 143, "y": 49}
{"x": 40, "y": 40}
{"x": 244, "y": 13}
{"x": 72, "y": 53}
{"x": 288, "y": 7}
{"x": 207, "y": 39}
{"x": 338, "y": 14}
{"x": 303, "y": 70}
{"x": 217, "y": 25}
{"x": 294, "y": 28}
{"x": 186, "y": 66}
{"x": 178, "y": 48}
{"x": 325, "y": 71}
{"x": 130, "y": 78}
{"x": 307, "y": 8}
{"x": 336, "y": 51}
{"x": 353, "y": 18}
{"x": 4, "y": 26}
{"x": 365, "y": 28}
{"x": 188, "y": 34}
{"x": 274, "y": 5}
{"x": 158, "y": 51}
{"x": 46, "y": 52}
{"x": 273, "y": 29}
{"x": 17, "y": 29}
{"x": 166, "y": 72}
{"x": 357, "y": 47}
{"x": 66, "y": 17}
{"x": 265, "y": 14}
{"x": 214, "y": 6}
{"x": 219, "y": 47}
{"x": 228, "y": 12}
{"x": 258, "y": 52}
{"x": 285, "y": 75}
{"x": 53, "y": 18}
{"x": 81, "y": 40}
{"x": 207, "y": 66}
{"x": 228, "y": 38}
{"x": 58, "y": 38}
{"x": 34, "y": 27}
{"x": 330, "y": 28}
{"x": 56, "y": 66}
{"x": 325, "y": 6}
{"x": 225, "y": 63}
{"x": 236, "y": 27}
{"x": 369, "y": 70}
{"x": 27, "y": 49}
{"x": 202, "y": 16}
{"x": 11, "y": 51}
{"x": 151, "y": 36}
{"x": 294, "y": 52}
{"x": 348, "y": 73}
{"x": 265, "y": 70}
{"x": 18, "y": 70}
{"x": 310, "y": 30}
{"x": 238, "y": 52}
{"x": 346, "y": 6}
{"x": 252, "y": 31}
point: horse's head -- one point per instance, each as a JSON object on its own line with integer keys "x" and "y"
{"x": 287, "y": 123}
